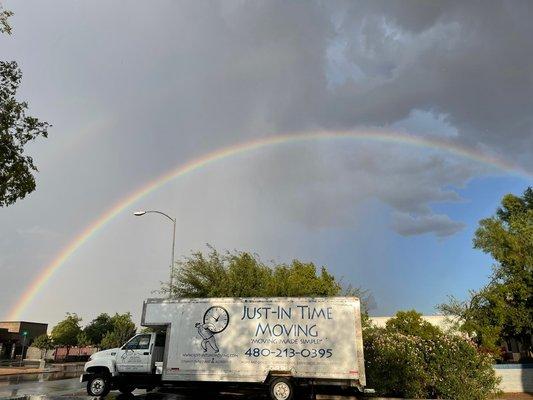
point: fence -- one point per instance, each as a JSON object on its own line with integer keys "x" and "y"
{"x": 61, "y": 354}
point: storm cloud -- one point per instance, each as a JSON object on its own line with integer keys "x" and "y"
{"x": 469, "y": 61}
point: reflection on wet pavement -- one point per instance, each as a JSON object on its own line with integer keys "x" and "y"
{"x": 44, "y": 387}
{"x": 37, "y": 377}
{"x": 38, "y": 384}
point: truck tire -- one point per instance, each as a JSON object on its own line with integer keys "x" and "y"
{"x": 126, "y": 389}
{"x": 98, "y": 385}
{"x": 281, "y": 389}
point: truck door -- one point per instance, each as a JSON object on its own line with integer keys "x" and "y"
{"x": 136, "y": 354}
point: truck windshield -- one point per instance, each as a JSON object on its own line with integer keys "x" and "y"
{"x": 139, "y": 342}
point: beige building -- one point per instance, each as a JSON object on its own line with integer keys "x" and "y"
{"x": 443, "y": 322}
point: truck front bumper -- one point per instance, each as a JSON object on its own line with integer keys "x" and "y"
{"x": 85, "y": 377}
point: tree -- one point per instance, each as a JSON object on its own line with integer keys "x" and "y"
{"x": 16, "y": 130}
{"x": 83, "y": 340}
{"x": 411, "y": 323}
{"x": 476, "y": 319}
{"x": 43, "y": 343}
{"x": 66, "y": 332}
{"x": 4, "y": 23}
{"x": 243, "y": 274}
{"x": 123, "y": 329}
{"x": 503, "y": 309}
{"x": 301, "y": 279}
{"x": 98, "y": 328}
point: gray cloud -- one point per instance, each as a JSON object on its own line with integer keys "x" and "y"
{"x": 470, "y": 61}
{"x": 328, "y": 185}
{"x": 439, "y": 224}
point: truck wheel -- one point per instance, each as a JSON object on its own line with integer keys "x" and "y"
{"x": 281, "y": 389}
{"x": 98, "y": 385}
{"x": 126, "y": 389}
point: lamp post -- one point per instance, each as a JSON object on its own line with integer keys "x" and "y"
{"x": 140, "y": 214}
{"x": 24, "y": 336}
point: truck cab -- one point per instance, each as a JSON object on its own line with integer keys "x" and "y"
{"x": 133, "y": 365}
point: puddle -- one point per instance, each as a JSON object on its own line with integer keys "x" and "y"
{"x": 7, "y": 380}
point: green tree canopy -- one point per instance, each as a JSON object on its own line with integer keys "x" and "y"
{"x": 66, "y": 332}
{"x": 43, "y": 342}
{"x": 411, "y": 323}
{"x": 98, "y": 328}
{"x": 504, "y": 307}
{"x": 123, "y": 329}
{"x": 16, "y": 130}
{"x": 243, "y": 274}
{"x": 83, "y": 340}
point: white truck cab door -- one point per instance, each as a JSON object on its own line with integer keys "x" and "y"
{"x": 136, "y": 354}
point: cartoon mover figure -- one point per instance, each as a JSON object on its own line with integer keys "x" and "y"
{"x": 216, "y": 319}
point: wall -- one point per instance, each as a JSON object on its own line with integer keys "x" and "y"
{"x": 515, "y": 377}
{"x": 61, "y": 353}
{"x": 34, "y": 353}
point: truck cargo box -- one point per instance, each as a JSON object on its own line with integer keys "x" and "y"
{"x": 252, "y": 339}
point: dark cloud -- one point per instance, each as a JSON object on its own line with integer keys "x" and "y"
{"x": 471, "y": 61}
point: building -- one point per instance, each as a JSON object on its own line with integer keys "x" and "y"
{"x": 441, "y": 321}
{"x": 15, "y": 334}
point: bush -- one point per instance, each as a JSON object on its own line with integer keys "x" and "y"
{"x": 433, "y": 365}
{"x": 394, "y": 364}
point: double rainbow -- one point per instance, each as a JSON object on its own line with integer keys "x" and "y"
{"x": 368, "y": 135}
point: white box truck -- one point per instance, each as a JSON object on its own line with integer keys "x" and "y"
{"x": 278, "y": 342}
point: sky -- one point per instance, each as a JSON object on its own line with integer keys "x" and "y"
{"x": 136, "y": 90}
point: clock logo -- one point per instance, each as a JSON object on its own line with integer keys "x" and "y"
{"x": 216, "y": 319}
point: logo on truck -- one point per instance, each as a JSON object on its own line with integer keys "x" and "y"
{"x": 216, "y": 320}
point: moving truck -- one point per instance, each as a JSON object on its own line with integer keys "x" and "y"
{"x": 281, "y": 343}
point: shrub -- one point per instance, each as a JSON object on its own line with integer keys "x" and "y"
{"x": 394, "y": 364}
{"x": 426, "y": 364}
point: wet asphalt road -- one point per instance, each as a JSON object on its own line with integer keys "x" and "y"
{"x": 57, "y": 388}
{"x": 21, "y": 385}
{"x": 63, "y": 389}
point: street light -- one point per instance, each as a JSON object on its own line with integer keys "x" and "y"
{"x": 143, "y": 212}
{"x": 24, "y": 336}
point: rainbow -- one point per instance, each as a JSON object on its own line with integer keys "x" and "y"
{"x": 230, "y": 151}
